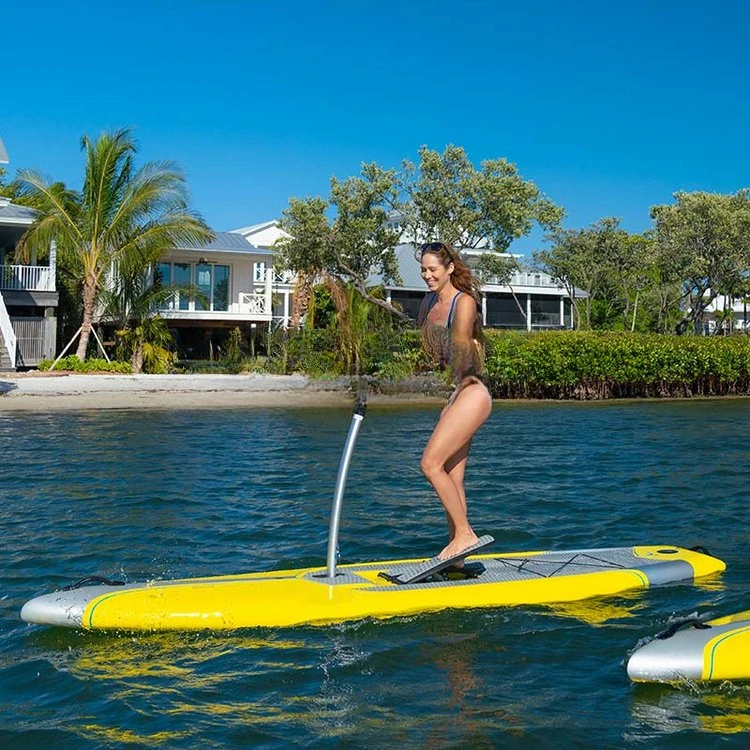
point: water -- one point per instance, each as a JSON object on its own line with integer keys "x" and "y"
{"x": 138, "y": 495}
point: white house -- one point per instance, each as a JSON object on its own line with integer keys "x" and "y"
{"x": 264, "y": 235}
{"x": 235, "y": 278}
{"x": 28, "y": 293}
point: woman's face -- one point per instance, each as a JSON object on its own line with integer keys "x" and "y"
{"x": 434, "y": 273}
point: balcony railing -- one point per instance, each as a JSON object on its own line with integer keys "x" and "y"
{"x": 523, "y": 278}
{"x": 253, "y": 304}
{"x": 27, "y": 278}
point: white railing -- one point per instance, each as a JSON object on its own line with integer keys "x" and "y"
{"x": 8, "y": 334}
{"x": 523, "y": 278}
{"x": 27, "y": 278}
{"x": 260, "y": 274}
{"x": 283, "y": 277}
{"x": 253, "y": 304}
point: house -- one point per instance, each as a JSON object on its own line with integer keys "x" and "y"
{"x": 28, "y": 293}
{"x": 531, "y": 300}
{"x": 235, "y": 279}
{"x": 264, "y": 235}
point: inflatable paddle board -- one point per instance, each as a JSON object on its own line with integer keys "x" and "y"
{"x": 375, "y": 589}
{"x": 695, "y": 650}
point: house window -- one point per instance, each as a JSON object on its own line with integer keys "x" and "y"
{"x": 221, "y": 288}
{"x": 211, "y": 279}
{"x": 181, "y": 277}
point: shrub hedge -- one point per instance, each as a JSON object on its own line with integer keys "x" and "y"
{"x": 597, "y": 365}
{"x": 71, "y": 363}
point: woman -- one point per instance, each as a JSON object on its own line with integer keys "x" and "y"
{"x": 452, "y": 328}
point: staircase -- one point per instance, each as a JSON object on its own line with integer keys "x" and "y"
{"x": 7, "y": 340}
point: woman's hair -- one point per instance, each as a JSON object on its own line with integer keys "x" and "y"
{"x": 462, "y": 278}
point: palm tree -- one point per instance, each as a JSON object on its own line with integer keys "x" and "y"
{"x": 122, "y": 216}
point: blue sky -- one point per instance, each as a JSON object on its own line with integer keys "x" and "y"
{"x": 608, "y": 107}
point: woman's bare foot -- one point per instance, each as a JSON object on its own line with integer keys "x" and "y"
{"x": 458, "y": 544}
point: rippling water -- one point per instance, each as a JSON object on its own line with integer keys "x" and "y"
{"x": 188, "y": 493}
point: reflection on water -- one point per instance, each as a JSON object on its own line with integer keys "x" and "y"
{"x": 719, "y": 709}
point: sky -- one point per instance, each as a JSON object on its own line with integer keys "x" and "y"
{"x": 609, "y": 108}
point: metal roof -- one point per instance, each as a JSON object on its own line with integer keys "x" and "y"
{"x": 227, "y": 242}
{"x": 11, "y": 213}
{"x": 256, "y": 227}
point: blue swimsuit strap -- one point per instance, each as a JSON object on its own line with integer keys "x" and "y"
{"x": 449, "y": 319}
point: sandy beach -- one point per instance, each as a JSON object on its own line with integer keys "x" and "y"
{"x": 58, "y": 391}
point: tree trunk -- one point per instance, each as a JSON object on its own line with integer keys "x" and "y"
{"x": 136, "y": 360}
{"x": 300, "y": 300}
{"x": 89, "y": 305}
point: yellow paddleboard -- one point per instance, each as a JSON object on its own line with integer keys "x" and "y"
{"x": 308, "y": 596}
{"x": 694, "y": 650}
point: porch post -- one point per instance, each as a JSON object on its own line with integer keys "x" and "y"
{"x": 269, "y": 289}
{"x": 52, "y": 281}
{"x": 286, "y": 308}
{"x": 562, "y": 313}
{"x": 528, "y": 311}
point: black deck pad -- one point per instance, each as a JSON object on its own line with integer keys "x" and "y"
{"x": 421, "y": 571}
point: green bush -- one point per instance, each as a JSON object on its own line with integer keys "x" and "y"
{"x": 583, "y": 365}
{"x": 208, "y": 366}
{"x": 71, "y": 363}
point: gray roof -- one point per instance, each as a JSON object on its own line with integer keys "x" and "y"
{"x": 228, "y": 242}
{"x": 15, "y": 214}
{"x": 409, "y": 268}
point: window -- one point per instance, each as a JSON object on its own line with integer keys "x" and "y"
{"x": 211, "y": 279}
{"x": 181, "y": 277}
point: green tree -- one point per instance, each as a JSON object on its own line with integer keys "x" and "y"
{"x": 122, "y": 215}
{"x": 583, "y": 259}
{"x": 445, "y": 197}
{"x": 704, "y": 240}
{"x": 348, "y": 248}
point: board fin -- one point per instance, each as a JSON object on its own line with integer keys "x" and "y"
{"x": 421, "y": 571}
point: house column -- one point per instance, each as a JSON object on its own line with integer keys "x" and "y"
{"x": 269, "y": 289}
{"x": 286, "y": 309}
{"x": 562, "y": 312}
{"x": 484, "y": 310}
{"x": 52, "y": 281}
{"x": 528, "y": 312}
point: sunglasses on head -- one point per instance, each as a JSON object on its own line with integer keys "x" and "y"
{"x": 436, "y": 247}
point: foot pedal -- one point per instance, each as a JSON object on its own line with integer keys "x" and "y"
{"x": 421, "y": 571}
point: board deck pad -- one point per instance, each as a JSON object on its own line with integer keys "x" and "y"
{"x": 422, "y": 571}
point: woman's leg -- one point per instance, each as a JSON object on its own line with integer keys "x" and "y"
{"x": 456, "y": 468}
{"x": 451, "y": 436}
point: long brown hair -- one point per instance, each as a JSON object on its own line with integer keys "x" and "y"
{"x": 462, "y": 278}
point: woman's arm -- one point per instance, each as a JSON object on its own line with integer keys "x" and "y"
{"x": 463, "y": 349}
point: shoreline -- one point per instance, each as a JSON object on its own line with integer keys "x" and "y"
{"x": 69, "y": 391}
{"x": 76, "y": 391}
